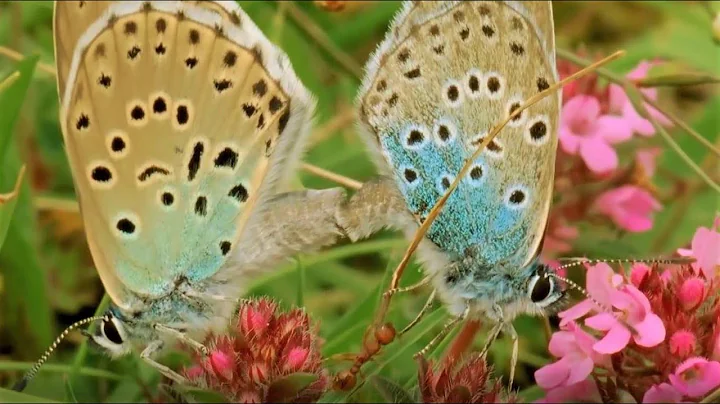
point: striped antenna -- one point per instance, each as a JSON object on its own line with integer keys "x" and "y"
{"x": 580, "y": 261}
{"x": 22, "y": 383}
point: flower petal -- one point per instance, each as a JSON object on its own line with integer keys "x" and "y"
{"x": 575, "y": 312}
{"x": 614, "y": 341}
{"x": 662, "y": 393}
{"x": 553, "y": 375}
{"x": 598, "y": 155}
{"x": 614, "y": 129}
{"x": 579, "y": 371}
{"x": 601, "y": 322}
{"x": 651, "y": 331}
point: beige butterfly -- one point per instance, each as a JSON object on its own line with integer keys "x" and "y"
{"x": 181, "y": 122}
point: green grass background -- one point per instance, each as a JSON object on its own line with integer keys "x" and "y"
{"x": 47, "y": 279}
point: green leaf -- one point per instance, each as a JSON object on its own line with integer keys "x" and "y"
{"x": 391, "y": 391}
{"x": 196, "y": 395}
{"x": 289, "y": 387}
{"x": 7, "y": 206}
{"x": 10, "y": 396}
{"x": 69, "y": 392}
{"x": 27, "y": 308}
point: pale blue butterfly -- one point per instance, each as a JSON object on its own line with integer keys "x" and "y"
{"x": 181, "y": 122}
{"x": 446, "y": 73}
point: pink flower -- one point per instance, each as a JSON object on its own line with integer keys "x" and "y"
{"x": 705, "y": 248}
{"x": 601, "y": 283}
{"x": 630, "y": 207}
{"x": 577, "y": 359}
{"x": 662, "y": 393}
{"x": 585, "y": 391}
{"x": 634, "y": 311}
{"x": 624, "y": 114}
{"x": 646, "y": 158}
{"x": 696, "y": 377}
{"x": 583, "y": 130}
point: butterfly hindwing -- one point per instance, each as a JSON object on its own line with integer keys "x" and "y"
{"x": 173, "y": 120}
{"x": 446, "y": 73}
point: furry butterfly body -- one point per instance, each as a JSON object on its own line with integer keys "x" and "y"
{"x": 182, "y": 122}
{"x": 444, "y": 75}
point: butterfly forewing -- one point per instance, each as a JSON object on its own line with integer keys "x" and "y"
{"x": 171, "y": 122}
{"x": 71, "y": 19}
{"x": 444, "y": 76}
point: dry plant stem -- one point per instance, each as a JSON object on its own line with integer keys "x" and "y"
{"x": 462, "y": 341}
{"x": 16, "y": 189}
{"x": 329, "y": 175}
{"x": 384, "y": 305}
{"x": 713, "y": 397}
{"x": 9, "y": 80}
{"x": 571, "y": 57}
{"x": 5, "y": 51}
{"x": 318, "y": 35}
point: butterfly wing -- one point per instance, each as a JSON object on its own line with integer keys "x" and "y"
{"x": 446, "y": 73}
{"x": 173, "y": 118}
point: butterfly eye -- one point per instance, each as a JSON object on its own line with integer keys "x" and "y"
{"x": 541, "y": 290}
{"x": 111, "y": 332}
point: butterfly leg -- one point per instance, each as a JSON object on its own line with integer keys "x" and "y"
{"x": 181, "y": 336}
{"x": 147, "y": 355}
{"x": 510, "y": 330}
{"x": 410, "y": 288}
{"x": 445, "y": 330}
{"x": 494, "y": 332}
{"x": 420, "y": 315}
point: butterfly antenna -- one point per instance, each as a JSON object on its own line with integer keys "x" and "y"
{"x": 581, "y": 261}
{"x": 22, "y": 383}
{"x": 574, "y": 285}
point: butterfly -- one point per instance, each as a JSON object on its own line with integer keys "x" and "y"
{"x": 445, "y": 74}
{"x": 182, "y": 123}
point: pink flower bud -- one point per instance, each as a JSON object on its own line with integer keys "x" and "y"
{"x": 296, "y": 358}
{"x": 258, "y": 372}
{"x": 194, "y": 372}
{"x": 222, "y": 364}
{"x": 692, "y": 293}
{"x": 682, "y": 343}
{"x": 638, "y": 273}
{"x": 255, "y": 318}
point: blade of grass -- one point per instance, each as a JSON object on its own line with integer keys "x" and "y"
{"x": 12, "y": 366}
{"x": 27, "y": 306}
{"x": 10, "y": 396}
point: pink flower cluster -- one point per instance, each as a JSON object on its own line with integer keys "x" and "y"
{"x": 255, "y": 362}
{"x": 590, "y": 182}
{"x": 469, "y": 381}
{"x": 652, "y": 337}
{"x": 591, "y": 123}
